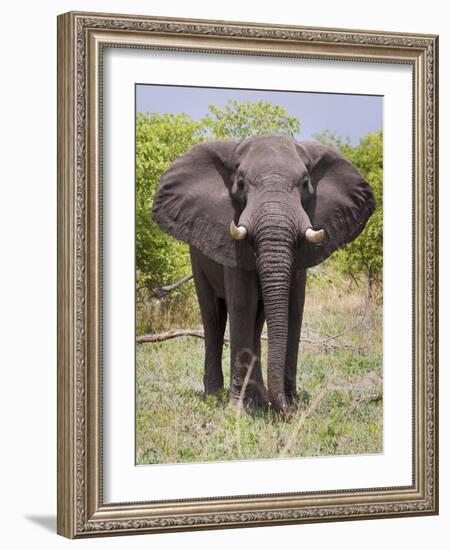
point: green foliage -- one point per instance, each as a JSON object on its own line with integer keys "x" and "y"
{"x": 330, "y": 138}
{"x": 363, "y": 256}
{"x": 160, "y": 259}
{"x": 247, "y": 118}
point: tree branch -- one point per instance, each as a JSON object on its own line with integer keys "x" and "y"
{"x": 163, "y": 290}
{"x": 176, "y": 333}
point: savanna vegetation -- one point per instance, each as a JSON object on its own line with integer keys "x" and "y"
{"x": 339, "y": 410}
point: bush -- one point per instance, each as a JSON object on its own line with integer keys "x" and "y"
{"x": 160, "y": 259}
{"x": 363, "y": 256}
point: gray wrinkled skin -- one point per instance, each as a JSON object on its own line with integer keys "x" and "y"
{"x": 276, "y": 188}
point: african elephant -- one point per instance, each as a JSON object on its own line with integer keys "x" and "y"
{"x": 257, "y": 213}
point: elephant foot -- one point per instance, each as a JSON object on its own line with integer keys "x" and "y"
{"x": 250, "y": 404}
{"x": 251, "y": 398}
{"x": 291, "y": 397}
{"x": 280, "y": 405}
{"x": 254, "y": 395}
{"x": 247, "y": 387}
{"x": 295, "y": 399}
{"x": 213, "y": 390}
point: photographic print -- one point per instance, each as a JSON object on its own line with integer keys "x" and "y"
{"x": 247, "y": 290}
{"x": 259, "y": 274}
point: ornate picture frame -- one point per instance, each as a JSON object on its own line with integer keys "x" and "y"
{"x": 82, "y": 40}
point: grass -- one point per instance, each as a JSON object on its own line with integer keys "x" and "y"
{"x": 340, "y": 383}
{"x": 159, "y": 315}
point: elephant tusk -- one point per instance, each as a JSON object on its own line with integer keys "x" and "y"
{"x": 238, "y": 233}
{"x": 313, "y": 236}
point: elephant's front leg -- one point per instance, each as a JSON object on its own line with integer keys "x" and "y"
{"x": 245, "y": 315}
{"x": 296, "y": 303}
{"x": 214, "y": 317}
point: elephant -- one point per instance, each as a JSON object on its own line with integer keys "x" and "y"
{"x": 257, "y": 213}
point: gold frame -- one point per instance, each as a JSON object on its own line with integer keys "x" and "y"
{"x": 81, "y": 37}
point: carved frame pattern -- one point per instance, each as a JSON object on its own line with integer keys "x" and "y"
{"x": 81, "y": 36}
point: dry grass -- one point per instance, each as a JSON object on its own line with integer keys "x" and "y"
{"x": 159, "y": 315}
{"x": 340, "y": 389}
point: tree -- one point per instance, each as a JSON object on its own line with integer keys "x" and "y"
{"x": 247, "y": 118}
{"x": 365, "y": 254}
{"x": 332, "y": 139}
{"x": 159, "y": 140}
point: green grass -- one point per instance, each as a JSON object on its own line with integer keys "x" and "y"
{"x": 340, "y": 385}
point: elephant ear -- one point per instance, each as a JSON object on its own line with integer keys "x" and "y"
{"x": 341, "y": 204}
{"x": 193, "y": 204}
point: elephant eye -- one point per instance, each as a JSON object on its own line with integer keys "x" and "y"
{"x": 305, "y": 184}
{"x": 240, "y": 184}
{"x": 302, "y": 182}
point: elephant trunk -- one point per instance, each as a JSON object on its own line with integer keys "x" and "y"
{"x": 276, "y": 233}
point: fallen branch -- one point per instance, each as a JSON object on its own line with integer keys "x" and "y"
{"x": 354, "y": 327}
{"x": 176, "y": 333}
{"x": 329, "y": 337}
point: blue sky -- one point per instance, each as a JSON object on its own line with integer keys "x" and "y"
{"x": 345, "y": 114}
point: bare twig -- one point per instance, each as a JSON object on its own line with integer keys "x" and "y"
{"x": 354, "y": 327}
{"x": 354, "y": 279}
{"x": 240, "y": 403}
{"x": 301, "y": 422}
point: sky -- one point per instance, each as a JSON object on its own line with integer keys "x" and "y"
{"x": 347, "y": 115}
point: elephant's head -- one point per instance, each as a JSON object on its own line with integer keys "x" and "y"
{"x": 267, "y": 203}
